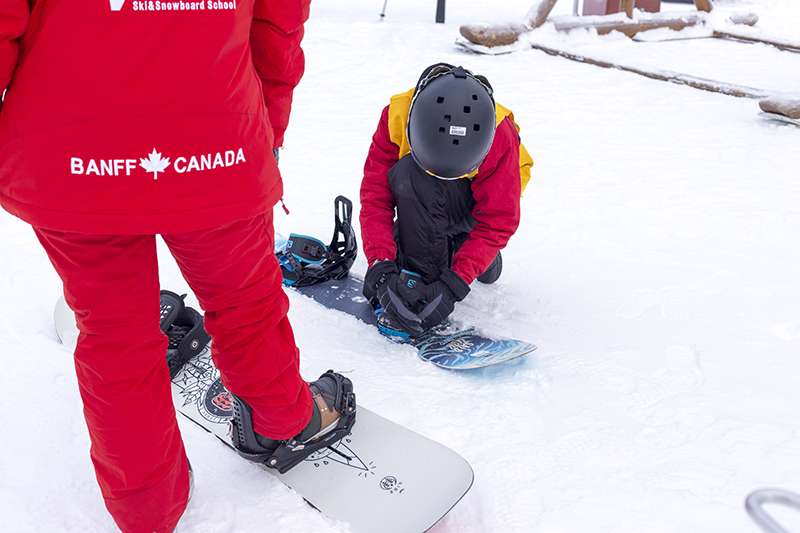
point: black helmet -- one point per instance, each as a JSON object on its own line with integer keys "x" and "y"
{"x": 451, "y": 122}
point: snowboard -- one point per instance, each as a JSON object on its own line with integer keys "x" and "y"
{"x": 458, "y": 350}
{"x": 380, "y": 477}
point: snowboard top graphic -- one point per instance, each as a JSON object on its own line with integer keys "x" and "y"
{"x": 382, "y": 477}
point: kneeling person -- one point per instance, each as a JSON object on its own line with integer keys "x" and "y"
{"x": 440, "y": 197}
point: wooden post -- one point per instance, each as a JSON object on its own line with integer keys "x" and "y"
{"x": 440, "y": 11}
{"x": 539, "y": 13}
{"x": 704, "y": 5}
{"x": 626, "y": 6}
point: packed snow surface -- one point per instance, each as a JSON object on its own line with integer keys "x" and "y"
{"x": 657, "y": 267}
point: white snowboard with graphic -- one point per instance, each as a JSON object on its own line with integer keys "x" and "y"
{"x": 381, "y": 478}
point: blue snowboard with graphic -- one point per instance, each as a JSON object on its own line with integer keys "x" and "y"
{"x": 459, "y": 350}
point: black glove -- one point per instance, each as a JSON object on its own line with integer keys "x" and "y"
{"x": 377, "y": 274}
{"x": 399, "y": 314}
{"x": 440, "y": 297}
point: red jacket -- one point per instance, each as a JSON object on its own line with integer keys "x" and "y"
{"x": 496, "y": 189}
{"x": 126, "y": 117}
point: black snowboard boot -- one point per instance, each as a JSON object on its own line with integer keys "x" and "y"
{"x": 493, "y": 272}
{"x": 184, "y": 328}
{"x": 334, "y": 414}
{"x": 390, "y": 326}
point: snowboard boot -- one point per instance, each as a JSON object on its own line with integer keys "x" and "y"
{"x": 334, "y": 414}
{"x": 184, "y": 329}
{"x": 493, "y": 272}
{"x": 389, "y": 326}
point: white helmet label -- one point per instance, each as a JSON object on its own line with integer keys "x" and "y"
{"x": 461, "y": 131}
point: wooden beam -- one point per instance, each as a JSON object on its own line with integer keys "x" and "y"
{"x": 704, "y": 5}
{"x": 789, "y": 46}
{"x": 539, "y": 12}
{"x": 664, "y": 75}
{"x": 626, "y": 6}
{"x": 630, "y": 27}
{"x": 505, "y": 34}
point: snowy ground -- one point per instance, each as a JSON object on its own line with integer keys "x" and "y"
{"x": 657, "y": 268}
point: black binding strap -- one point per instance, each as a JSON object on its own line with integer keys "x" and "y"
{"x": 184, "y": 329}
{"x": 307, "y": 261}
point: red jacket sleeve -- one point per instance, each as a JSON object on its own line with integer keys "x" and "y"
{"x": 496, "y": 189}
{"x": 14, "y": 15}
{"x": 377, "y": 201}
{"x": 275, "y": 38}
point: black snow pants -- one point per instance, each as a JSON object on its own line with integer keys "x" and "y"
{"x": 434, "y": 218}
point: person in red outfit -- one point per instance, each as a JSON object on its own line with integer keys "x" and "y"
{"x": 125, "y": 119}
{"x": 440, "y": 197}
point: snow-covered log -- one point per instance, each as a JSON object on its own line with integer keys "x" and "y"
{"x": 663, "y": 75}
{"x": 781, "y": 106}
{"x": 607, "y": 23}
{"x": 781, "y": 44}
{"x": 505, "y": 34}
{"x": 492, "y": 35}
{"x": 644, "y": 21}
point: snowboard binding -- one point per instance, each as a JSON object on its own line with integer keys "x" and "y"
{"x": 306, "y": 260}
{"x": 334, "y": 404}
{"x": 184, "y": 328}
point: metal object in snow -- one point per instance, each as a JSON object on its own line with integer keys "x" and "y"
{"x": 754, "y": 505}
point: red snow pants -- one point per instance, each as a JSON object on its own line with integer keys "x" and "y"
{"x": 111, "y": 282}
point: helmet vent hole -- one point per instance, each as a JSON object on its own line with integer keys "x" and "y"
{"x": 447, "y": 118}
{"x": 440, "y": 100}
{"x": 476, "y": 127}
{"x": 467, "y": 109}
{"x": 474, "y": 96}
{"x": 455, "y": 141}
{"x": 442, "y": 130}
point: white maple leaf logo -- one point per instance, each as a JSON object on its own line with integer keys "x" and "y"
{"x": 154, "y": 163}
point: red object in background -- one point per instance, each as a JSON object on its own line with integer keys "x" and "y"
{"x": 607, "y": 7}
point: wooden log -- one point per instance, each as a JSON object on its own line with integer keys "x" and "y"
{"x": 781, "y": 106}
{"x": 789, "y": 46}
{"x": 538, "y": 13}
{"x": 494, "y": 35}
{"x": 675, "y": 21}
{"x": 608, "y": 23}
{"x": 664, "y": 75}
{"x": 704, "y": 5}
{"x": 743, "y": 18}
{"x": 505, "y": 34}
